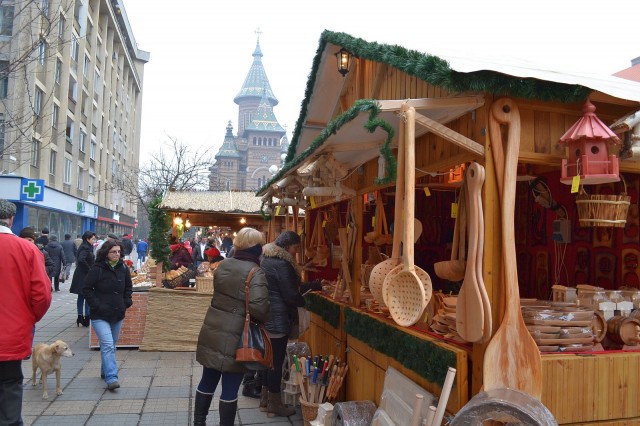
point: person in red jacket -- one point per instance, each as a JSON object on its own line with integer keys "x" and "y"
{"x": 26, "y": 297}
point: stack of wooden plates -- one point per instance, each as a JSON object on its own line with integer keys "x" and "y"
{"x": 560, "y": 328}
{"x": 444, "y": 321}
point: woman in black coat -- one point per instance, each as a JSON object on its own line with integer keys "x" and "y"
{"x": 108, "y": 289}
{"x": 285, "y": 297}
{"x": 56, "y": 252}
{"x": 84, "y": 261}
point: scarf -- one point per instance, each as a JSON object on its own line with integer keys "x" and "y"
{"x": 251, "y": 254}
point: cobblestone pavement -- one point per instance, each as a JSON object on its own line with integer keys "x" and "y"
{"x": 158, "y": 388}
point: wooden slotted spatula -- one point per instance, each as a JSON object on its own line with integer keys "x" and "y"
{"x": 512, "y": 359}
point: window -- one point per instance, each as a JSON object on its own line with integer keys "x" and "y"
{"x": 6, "y": 20}
{"x": 91, "y": 184}
{"x": 52, "y": 163}
{"x": 61, "y": 23}
{"x": 97, "y": 82}
{"x": 92, "y": 149}
{"x": 44, "y": 5}
{"x": 1, "y": 134}
{"x": 85, "y": 67}
{"x": 58, "y": 70}
{"x": 70, "y": 130}
{"x": 4, "y": 79}
{"x": 42, "y": 51}
{"x": 54, "y": 116}
{"x": 35, "y": 152}
{"x": 73, "y": 90}
{"x": 83, "y": 138}
{"x": 114, "y": 168}
{"x": 80, "y": 178}
{"x": 37, "y": 102}
{"x": 67, "y": 171}
{"x": 75, "y": 48}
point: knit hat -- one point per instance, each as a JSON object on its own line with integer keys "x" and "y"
{"x": 212, "y": 252}
{"x": 53, "y": 237}
{"x": 28, "y": 232}
{"x": 45, "y": 230}
{"x": 287, "y": 239}
{"x": 112, "y": 236}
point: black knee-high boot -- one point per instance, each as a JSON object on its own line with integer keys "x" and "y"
{"x": 227, "y": 412}
{"x": 203, "y": 402}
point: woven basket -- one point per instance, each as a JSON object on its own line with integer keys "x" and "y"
{"x": 603, "y": 210}
{"x": 204, "y": 284}
{"x": 309, "y": 410}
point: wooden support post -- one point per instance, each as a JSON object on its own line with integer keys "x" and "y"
{"x": 357, "y": 203}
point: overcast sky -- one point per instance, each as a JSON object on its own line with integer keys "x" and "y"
{"x": 201, "y": 49}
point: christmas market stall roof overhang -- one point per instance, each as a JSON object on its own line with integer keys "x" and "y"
{"x": 365, "y": 130}
{"x": 214, "y": 208}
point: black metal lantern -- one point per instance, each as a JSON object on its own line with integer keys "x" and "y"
{"x": 344, "y": 61}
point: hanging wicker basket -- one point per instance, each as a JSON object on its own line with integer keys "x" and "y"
{"x": 603, "y": 210}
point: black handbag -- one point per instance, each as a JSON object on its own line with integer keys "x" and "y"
{"x": 254, "y": 348}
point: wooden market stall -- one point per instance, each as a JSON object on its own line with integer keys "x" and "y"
{"x": 505, "y": 124}
{"x": 174, "y": 316}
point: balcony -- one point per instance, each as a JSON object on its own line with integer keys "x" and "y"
{"x": 68, "y": 146}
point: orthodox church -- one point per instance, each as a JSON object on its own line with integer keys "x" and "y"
{"x": 248, "y": 159}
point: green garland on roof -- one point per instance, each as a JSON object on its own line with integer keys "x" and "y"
{"x": 434, "y": 71}
{"x": 328, "y": 311}
{"x": 425, "y": 358}
{"x": 363, "y": 105}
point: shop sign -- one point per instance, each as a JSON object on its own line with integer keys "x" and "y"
{"x": 116, "y": 216}
{"x": 80, "y": 208}
{"x": 32, "y": 189}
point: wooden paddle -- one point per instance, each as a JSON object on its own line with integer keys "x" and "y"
{"x": 512, "y": 359}
{"x": 469, "y": 312}
{"x": 486, "y": 303}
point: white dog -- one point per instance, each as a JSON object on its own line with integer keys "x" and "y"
{"x": 47, "y": 359}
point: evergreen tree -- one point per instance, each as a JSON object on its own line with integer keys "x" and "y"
{"x": 159, "y": 235}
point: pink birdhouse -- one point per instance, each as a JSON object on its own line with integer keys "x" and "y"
{"x": 588, "y": 143}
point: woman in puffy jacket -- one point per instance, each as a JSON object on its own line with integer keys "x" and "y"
{"x": 84, "y": 261}
{"x": 108, "y": 289}
{"x": 285, "y": 296}
{"x": 223, "y": 325}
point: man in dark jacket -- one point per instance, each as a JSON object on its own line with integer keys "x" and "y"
{"x": 285, "y": 296}
{"x": 70, "y": 253}
{"x": 127, "y": 245}
{"x": 29, "y": 234}
{"x": 43, "y": 239}
{"x": 57, "y": 255}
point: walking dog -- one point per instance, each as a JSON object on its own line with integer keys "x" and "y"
{"x": 47, "y": 359}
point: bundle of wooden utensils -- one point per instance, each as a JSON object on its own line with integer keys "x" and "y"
{"x": 319, "y": 378}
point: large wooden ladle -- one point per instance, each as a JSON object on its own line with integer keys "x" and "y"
{"x": 407, "y": 289}
{"x": 382, "y": 269}
{"x": 512, "y": 359}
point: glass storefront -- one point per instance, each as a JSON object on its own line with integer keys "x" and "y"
{"x": 104, "y": 228}
{"x": 59, "y": 223}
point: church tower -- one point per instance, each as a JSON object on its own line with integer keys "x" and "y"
{"x": 247, "y": 160}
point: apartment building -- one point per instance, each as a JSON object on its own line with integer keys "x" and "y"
{"x": 71, "y": 79}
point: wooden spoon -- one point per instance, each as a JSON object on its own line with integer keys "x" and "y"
{"x": 486, "y": 303}
{"x": 382, "y": 269}
{"x": 469, "y": 310}
{"x": 512, "y": 359}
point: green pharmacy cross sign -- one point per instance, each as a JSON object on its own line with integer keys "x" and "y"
{"x": 32, "y": 190}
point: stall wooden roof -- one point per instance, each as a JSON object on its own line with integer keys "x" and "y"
{"x": 364, "y": 131}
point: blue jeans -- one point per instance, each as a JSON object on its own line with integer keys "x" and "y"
{"x": 142, "y": 256}
{"x": 230, "y": 383}
{"x": 108, "y": 334}
{"x": 82, "y": 303}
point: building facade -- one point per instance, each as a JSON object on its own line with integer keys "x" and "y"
{"x": 246, "y": 161}
{"x": 70, "y": 110}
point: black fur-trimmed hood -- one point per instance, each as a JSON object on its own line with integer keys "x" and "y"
{"x": 273, "y": 250}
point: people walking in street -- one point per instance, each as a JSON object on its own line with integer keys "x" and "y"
{"x": 70, "y": 253}
{"x": 127, "y": 245}
{"x": 57, "y": 255}
{"x": 30, "y": 235}
{"x": 84, "y": 262}
{"x": 223, "y": 325}
{"x": 285, "y": 297}
{"x": 108, "y": 289}
{"x": 227, "y": 242}
{"x": 141, "y": 249}
{"x": 26, "y": 297}
{"x": 43, "y": 239}
{"x": 78, "y": 241}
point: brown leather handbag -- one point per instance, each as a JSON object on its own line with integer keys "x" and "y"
{"x": 254, "y": 348}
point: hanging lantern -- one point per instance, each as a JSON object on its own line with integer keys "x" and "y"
{"x": 588, "y": 141}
